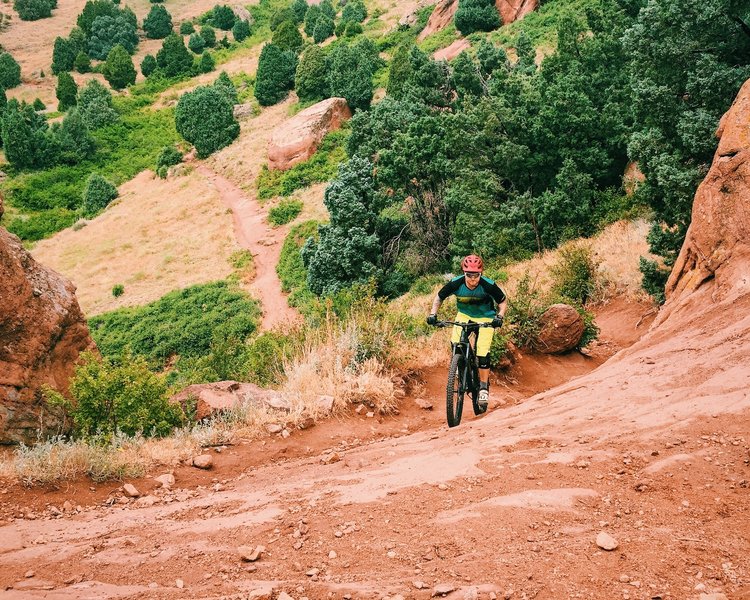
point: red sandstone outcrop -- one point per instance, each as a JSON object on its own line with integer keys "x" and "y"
{"x": 441, "y": 16}
{"x": 453, "y": 50}
{"x": 42, "y": 332}
{"x": 510, "y": 11}
{"x": 515, "y": 10}
{"x": 561, "y": 328}
{"x": 213, "y": 398}
{"x": 298, "y": 139}
{"x": 717, "y": 245}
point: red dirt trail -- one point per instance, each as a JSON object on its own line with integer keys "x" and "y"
{"x": 254, "y": 234}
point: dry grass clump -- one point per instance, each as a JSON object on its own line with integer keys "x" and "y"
{"x": 345, "y": 361}
{"x": 58, "y": 459}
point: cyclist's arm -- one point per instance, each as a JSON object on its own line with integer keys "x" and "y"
{"x": 448, "y": 289}
{"x": 498, "y": 295}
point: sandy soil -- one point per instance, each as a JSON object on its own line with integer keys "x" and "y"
{"x": 507, "y": 505}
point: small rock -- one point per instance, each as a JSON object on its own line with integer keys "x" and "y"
{"x": 391, "y": 554}
{"x": 166, "y": 480}
{"x": 130, "y": 491}
{"x": 359, "y": 409}
{"x": 312, "y": 572}
{"x": 606, "y": 541}
{"x": 370, "y": 414}
{"x": 203, "y": 461}
{"x": 180, "y": 583}
{"x": 250, "y": 554}
{"x": 716, "y": 596}
{"x": 423, "y": 404}
{"x": 274, "y": 428}
{"x": 285, "y": 433}
{"x": 325, "y": 403}
{"x": 419, "y": 585}
{"x": 442, "y": 486}
{"x": 442, "y": 589}
{"x": 284, "y": 596}
{"x": 624, "y": 578}
{"x": 29, "y": 574}
{"x": 68, "y": 507}
{"x": 332, "y": 554}
{"x": 330, "y": 458}
{"x": 146, "y": 501}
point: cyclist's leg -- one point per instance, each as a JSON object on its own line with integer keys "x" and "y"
{"x": 484, "y": 342}
{"x": 456, "y": 334}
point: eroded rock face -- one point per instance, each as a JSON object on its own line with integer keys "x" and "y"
{"x": 42, "y": 332}
{"x": 717, "y": 245}
{"x": 561, "y": 328}
{"x": 515, "y": 10}
{"x": 510, "y": 10}
{"x": 452, "y": 51}
{"x": 298, "y": 138}
{"x": 441, "y": 16}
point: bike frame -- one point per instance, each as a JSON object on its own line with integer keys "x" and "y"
{"x": 465, "y": 346}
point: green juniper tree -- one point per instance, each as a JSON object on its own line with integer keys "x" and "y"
{"x": 108, "y": 32}
{"x": 82, "y": 63}
{"x": 476, "y": 15}
{"x": 348, "y": 248}
{"x": 97, "y": 194}
{"x": 275, "y": 75}
{"x": 10, "y": 71}
{"x": 223, "y": 17}
{"x": 204, "y": 117}
{"x": 66, "y": 91}
{"x": 75, "y": 141}
{"x": 299, "y": 8}
{"x": 311, "y": 79}
{"x": 288, "y": 37}
{"x": 324, "y": 28}
{"x": 173, "y": 59}
{"x": 95, "y": 105}
{"x": 240, "y": 30}
{"x": 148, "y": 65}
{"x": 158, "y": 23}
{"x": 118, "y": 70}
{"x": 206, "y": 62}
{"x": 33, "y": 10}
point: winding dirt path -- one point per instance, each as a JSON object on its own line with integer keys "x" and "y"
{"x": 254, "y": 234}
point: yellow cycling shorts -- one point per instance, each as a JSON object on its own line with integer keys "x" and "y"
{"x": 485, "y": 333}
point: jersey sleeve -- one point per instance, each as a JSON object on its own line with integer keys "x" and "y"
{"x": 494, "y": 291}
{"x": 450, "y": 288}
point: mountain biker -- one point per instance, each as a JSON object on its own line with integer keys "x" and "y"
{"x": 480, "y": 300}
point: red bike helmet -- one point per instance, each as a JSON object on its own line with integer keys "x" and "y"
{"x": 472, "y": 263}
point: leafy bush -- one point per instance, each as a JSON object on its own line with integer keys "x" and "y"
{"x": 10, "y": 71}
{"x": 311, "y": 78}
{"x": 158, "y": 23}
{"x": 299, "y": 8}
{"x": 32, "y": 10}
{"x": 266, "y": 355}
{"x": 476, "y": 15}
{"x": 186, "y": 28}
{"x": 122, "y": 395}
{"x": 574, "y": 274}
{"x": 118, "y": 70}
{"x": 275, "y": 75}
{"x": 204, "y": 117}
{"x": 225, "y": 85}
{"x": 74, "y": 140}
{"x": 291, "y": 269}
{"x": 353, "y": 29}
{"x": 64, "y": 53}
{"x": 97, "y": 194}
{"x": 168, "y": 157}
{"x": 118, "y": 290}
{"x": 240, "y": 30}
{"x": 38, "y": 226}
{"x": 182, "y": 323}
{"x": 654, "y": 279}
{"x": 38, "y": 105}
{"x": 311, "y": 19}
{"x": 26, "y": 141}
{"x": 284, "y": 212}
{"x": 321, "y": 166}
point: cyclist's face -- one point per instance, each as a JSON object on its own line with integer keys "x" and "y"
{"x": 472, "y": 280}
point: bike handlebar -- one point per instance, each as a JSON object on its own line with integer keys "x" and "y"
{"x": 461, "y": 324}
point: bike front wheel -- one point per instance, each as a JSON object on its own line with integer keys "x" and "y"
{"x": 454, "y": 399}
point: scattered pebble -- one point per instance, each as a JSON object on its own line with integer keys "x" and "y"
{"x": 130, "y": 491}
{"x": 606, "y": 541}
{"x": 250, "y": 554}
{"x": 180, "y": 583}
{"x": 203, "y": 461}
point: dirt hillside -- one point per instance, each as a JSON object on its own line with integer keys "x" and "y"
{"x": 629, "y": 482}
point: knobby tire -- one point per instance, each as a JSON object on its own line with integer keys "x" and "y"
{"x": 454, "y": 399}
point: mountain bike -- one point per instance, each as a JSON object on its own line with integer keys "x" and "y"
{"x": 463, "y": 374}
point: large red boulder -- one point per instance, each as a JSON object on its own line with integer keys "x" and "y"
{"x": 560, "y": 329}
{"x": 42, "y": 332}
{"x": 510, "y": 11}
{"x": 298, "y": 138}
{"x": 452, "y": 51}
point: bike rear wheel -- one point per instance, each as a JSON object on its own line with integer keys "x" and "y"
{"x": 454, "y": 398}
